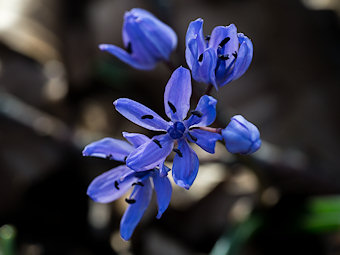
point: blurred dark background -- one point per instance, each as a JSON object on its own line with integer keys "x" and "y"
{"x": 56, "y": 94}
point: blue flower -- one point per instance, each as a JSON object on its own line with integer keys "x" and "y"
{"x": 177, "y": 103}
{"x": 241, "y": 136}
{"x": 114, "y": 183}
{"x": 147, "y": 40}
{"x": 220, "y": 58}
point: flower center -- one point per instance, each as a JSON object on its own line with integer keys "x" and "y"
{"x": 176, "y": 130}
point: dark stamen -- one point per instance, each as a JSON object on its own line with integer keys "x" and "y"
{"x": 148, "y": 116}
{"x": 200, "y": 58}
{"x": 130, "y": 201}
{"x": 157, "y": 142}
{"x": 235, "y": 54}
{"x": 109, "y": 156}
{"x": 224, "y": 41}
{"x": 192, "y": 137}
{"x": 197, "y": 113}
{"x": 125, "y": 158}
{"x": 223, "y": 57}
{"x": 116, "y": 185}
{"x": 172, "y": 107}
{"x": 129, "y": 48}
{"x": 179, "y": 153}
{"x": 137, "y": 183}
{"x": 207, "y": 37}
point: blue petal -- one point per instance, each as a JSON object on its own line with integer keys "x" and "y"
{"x": 163, "y": 169}
{"x": 205, "y": 139}
{"x": 112, "y": 184}
{"x": 142, "y": 195}
{"x": 141, "y": 48}
{"x": 204, "y": 71}
{"x": 177, "y": 94}
{"x": 141, "y": 13}
{"x": 219, "y": 34}
{"x": 191, "y": 53}
{"x": 140, "y": 114}
{"x": 159, "y": 35}
{"x": 229, "y": 49}
{"x": 150, "y": 154}
{"x": 185, "y": 166}
{"x": 108, "y": 148}
{"x": 194, "y": 34}
{"x": 168, "y": 32}
{"x": 136, "y": 139}
{"x": 245, "y": 55}
{"x": 151, "y": 40}
{"x": 207, "y": 107}
{"x": 163, "y": 190}
{"x": 241, "y": 136}
{"x": 127, "y": 58}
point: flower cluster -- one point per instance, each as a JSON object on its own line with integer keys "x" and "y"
{"x": 215, "y": 61}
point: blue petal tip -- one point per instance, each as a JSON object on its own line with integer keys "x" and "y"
{"x": 182, "y": 184}
{"x": 102, "y": 47}
{"x": 159, "y": 215}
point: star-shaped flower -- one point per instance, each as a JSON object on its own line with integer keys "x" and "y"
{"x": 177, "y": 103}
{"x": 220, "y": 58}
{"x": 147, "y": 40}
{"x": 114, "y": 183}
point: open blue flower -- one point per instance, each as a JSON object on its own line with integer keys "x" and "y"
{"x": 220, "y": 58}
{"x": 177, "y": 103}
{"x": 114, "y": 183}
{"x": 147, "y": 40}
{"x": 241, "y": 136}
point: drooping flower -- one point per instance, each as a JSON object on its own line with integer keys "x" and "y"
{"x": 147, "y": 40}
{"x": 220, "y": 58}
{"x": 114, "y": 183}
{"x": 241, "y": 136}
{"x": 177, "y": 103}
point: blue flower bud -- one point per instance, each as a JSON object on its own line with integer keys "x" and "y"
{"x": 147, "y": 40}
{"x": 241, "y": 136}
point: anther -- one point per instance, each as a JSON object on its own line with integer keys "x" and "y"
{"x": 223, "y": 57}
{"x": 130, "y": 201}
{"x": 197, "y": 113}
{"x": 125, "y": 158}
{"x": 129, "y": 48}
{"x": 157, "y": 142}
{"x": 200, "y": 58}
{"x": 138, "y": 183}
{"x": 109, "y": 156}
{"x": 179, "y": 153}
{"x": 235, "y": 54}
{"x": 207, "y": 37}
{"x": 172, "y": 107}
{"x": 224, "y": 41}
{"x": 192, "y": 137}
{"x": 147, "y": 116}
{"x": 116, "y": 185}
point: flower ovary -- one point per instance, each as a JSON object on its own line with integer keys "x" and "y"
{"x": 176, "y": 131}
